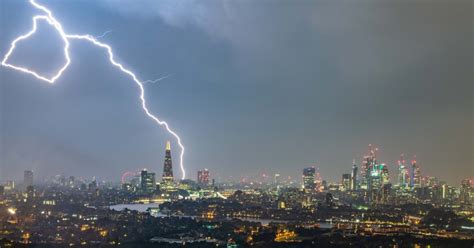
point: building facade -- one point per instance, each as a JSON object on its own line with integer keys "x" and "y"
{"x": 27, "y": 178}
{"x": 309, "y": 179}
{"x": 147, "y": 182}
{"x": 203, "y": 177}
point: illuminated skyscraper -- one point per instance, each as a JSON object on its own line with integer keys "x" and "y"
{"x": 465, "y": 191}
{"x": 147, "y": 181}
{"x": 309, "y": 179}
{"x": 384, "y": 174}
{"x": 403, "y": 175}
{"x": 320, "y": 184}
{"x": 375, "y": 179}
{"x": 415, "y": 180}
{"x": 376, "y": 182}
{"x": 354, "y": 176}
{"x": 367, "y": 168}
{"x": 364, "y": 168}
{"x": 444, "y": 191}
{"x": 346, "y": 181}
{"x": 379, "y": 184}
{"x": 276, "y": 179}
{"x": 167, "y": 177}
{"x": 203, "y": 177}
{"x": 27, "y": 178}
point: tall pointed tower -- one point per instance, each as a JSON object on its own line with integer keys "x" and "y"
{"x": 168, "y": 166}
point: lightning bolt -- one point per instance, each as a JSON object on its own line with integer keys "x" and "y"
{"x": 103, "y": 35}
{"x": 156, "y": 80}
{"x": 49, "y": 18}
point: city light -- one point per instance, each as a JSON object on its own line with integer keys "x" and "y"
{"x": 11, "y": 211}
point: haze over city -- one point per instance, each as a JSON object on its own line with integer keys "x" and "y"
{"x": 253, "y": 88}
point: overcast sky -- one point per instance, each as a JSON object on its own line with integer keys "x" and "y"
{"x": 255, "y": 87}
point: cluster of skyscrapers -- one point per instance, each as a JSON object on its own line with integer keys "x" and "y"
{"x": 408, "y": 176}
{"x": 369, "y": 182}
{"x": 146, "y": 182}
{"x": 372, "y": 179}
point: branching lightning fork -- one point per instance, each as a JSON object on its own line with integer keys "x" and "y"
{"x": 49, "y": 18}
{"x": 103, "y": 34}
{"x": 156, "y": 80}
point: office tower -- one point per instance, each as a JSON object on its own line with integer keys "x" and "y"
{"x": 309, "y": 179}
{"x": 415, "y": 181}
{"x": 346, "y": 181}
{"x": 403, "y": 176}
{"x": 167, "y": 177}
{"x": 320, "y": 184}
{"x": 147, "y": 181}
{"x": 378, "y": 181}
{"x": 363, "y": 174}
{"x": 375, "y": 177}
{"x": 27, "y": 178}
{"x": 203, "y": 177}
{"x": 384, "y": 174}
{"x": 444, "y": 190}
{"x": 276, "y": 179}
{"x": 367, "y": 168}
{"x": 465, "y": 191}
{"x": 354, "y": 176}
{"x": 418, "y": 182}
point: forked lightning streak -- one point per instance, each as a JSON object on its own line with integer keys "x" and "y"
{"x": 49, "y": 18}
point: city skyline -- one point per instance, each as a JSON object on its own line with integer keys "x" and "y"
{"x": 402, "y": 174}
{"x": 264, "y": 176}
{"x": 315, "y": 111}
{"x": 310, "y": 123}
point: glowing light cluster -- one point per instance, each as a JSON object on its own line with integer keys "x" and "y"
{"x": 49, "y": 18}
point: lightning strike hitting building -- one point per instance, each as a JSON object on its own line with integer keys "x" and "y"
{"x": 49, "y": 18}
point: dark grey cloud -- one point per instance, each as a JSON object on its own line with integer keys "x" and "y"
{"x": 258, "y": 85}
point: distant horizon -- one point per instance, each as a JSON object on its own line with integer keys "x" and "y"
{"x": 393, "y": 170}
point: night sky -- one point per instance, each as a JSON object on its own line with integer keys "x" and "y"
{"x": 255, "y": 87}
